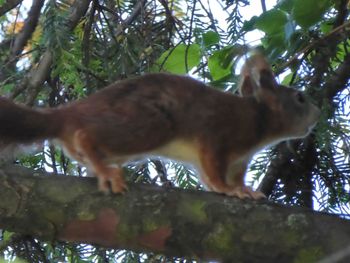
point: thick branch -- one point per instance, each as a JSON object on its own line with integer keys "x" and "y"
{"x": 27, "y": 30}
{"x": 174, "y": 222}
{"x": 337, "y": 82}
{"x": 8, "y": 5}
{"x": 283, "y": 155}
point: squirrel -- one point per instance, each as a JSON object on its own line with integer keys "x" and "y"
{"x": 171, "y": 116}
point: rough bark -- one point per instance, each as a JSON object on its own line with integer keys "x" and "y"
{"x": 29, "y": 26}
{"x": 173, "y": 222}
{"x": 8, "y": 5}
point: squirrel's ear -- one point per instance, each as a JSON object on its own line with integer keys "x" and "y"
{"x": 247, "y": 86}
{"x": 267, "y": 79}
{"x": 256, "y": 76}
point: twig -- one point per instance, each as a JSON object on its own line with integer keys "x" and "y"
{"x": 190, "y": 34}
{"x": 29, "y": 26}
{"x": 310, "y": 46}
{"x": 38, "y": 75}
{"x": 263, "y": 6}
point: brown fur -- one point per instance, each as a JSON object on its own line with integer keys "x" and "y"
{"x": 172, "y": 116}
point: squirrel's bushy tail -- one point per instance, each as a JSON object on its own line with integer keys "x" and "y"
{"x": 20, "y": 124}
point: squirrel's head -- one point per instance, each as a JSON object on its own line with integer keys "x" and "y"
{"x": 292, "y": 114}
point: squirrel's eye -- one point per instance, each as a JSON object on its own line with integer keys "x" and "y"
{"x": 300, "y": 97}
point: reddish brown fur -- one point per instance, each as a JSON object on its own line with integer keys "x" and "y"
{"x": 181, "y": 118}
{"x": 22, "y": 125}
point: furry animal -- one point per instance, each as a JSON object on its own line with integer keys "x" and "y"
{"x": 172, "y": 116}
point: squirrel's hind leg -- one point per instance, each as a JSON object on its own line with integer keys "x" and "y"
{"x": 108, "y": 177}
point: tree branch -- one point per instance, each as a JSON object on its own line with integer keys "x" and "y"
{"x": 263, "y": 6}
{"x": 269, "y": 181}
{"x": 333, "y": 84}
{"x": 336, "y": 82}
{"x": 38, "y": 75}
{"x": 8, "y": 5}
{"x": 139, "y": 6}
{"x": 174, "y": 222}
{"x": 27, "y": 30}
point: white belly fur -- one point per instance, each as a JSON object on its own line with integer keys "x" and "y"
{"x": 177, "y": 150}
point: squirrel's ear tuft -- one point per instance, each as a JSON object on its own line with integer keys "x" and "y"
{"x": 256, "y": 76}
{"x": 267, "y": 79}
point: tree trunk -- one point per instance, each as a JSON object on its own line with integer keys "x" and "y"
{"x": 174, "y": 222}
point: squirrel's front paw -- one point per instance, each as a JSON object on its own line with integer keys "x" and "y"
{"x": 112, "y": 180}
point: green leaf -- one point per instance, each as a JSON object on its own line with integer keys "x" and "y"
{"x": 272, "y": 21}
{"x": 341, "y": 54}
{"x": 274, "y": 41}
{"x": 286, "y": 5}
{"x": 309, "y": 12}
{"x": 296, "y": 42}
{"x": 326, "y": 27}
{"x": 174, "y": 60}
{"x": 220, "y": 63}
{"x": 7, "y": 236}
{"x": 16, "y": 260}
{"x": 250, "y": 24}
{"x": 7, "y": 88}
{"x": 289, "y": 30}
{"x": 210, "y": 38}
{"x": 287, "y": 79}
